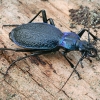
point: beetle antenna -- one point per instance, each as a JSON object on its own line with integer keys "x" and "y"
{"x": 73, "y": 70}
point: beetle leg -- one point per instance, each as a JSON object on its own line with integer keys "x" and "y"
{"x": 51, "y": 21}
{"x": 73, "y": 70}
{"x": 81, "y": 64}
{"x": 20, "y": 50}
{"x": 44, "y": 16}
{"x": 72, "y": 66}
{"x": 13, "y": 25}
{"x": 83, "y": 30}
{"x": 33, "y": 54}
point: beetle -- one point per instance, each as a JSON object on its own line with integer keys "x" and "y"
{"x": 42, "y": 38}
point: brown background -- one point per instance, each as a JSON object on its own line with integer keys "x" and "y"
{"x": 40, "y": 78}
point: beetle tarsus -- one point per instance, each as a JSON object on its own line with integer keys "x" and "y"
{"x": 13, "y": 25}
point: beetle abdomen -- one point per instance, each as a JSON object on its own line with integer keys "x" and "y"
{"x": 36, "y": 36}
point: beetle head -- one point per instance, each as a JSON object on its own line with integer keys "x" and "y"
{"x": 88, "y": 48}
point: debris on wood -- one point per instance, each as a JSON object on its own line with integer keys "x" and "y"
{"x": 85, "y": 16}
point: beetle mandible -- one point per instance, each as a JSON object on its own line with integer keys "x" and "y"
{"x": 42, "y": 38}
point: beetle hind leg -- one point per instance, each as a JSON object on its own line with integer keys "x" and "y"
{"x": 33, "y": 54}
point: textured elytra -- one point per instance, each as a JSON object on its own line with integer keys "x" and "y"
{"x": 36, "y": 36}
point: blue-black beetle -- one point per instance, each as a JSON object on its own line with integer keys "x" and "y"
{"x": 44, "y": 38}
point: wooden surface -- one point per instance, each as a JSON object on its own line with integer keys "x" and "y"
{"x": 40, "y": 78}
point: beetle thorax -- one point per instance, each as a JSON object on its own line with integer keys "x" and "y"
{"x": 68, "y": 43}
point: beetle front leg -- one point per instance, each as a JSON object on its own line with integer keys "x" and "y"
{"x": 82, "y": 32}
{"x": 73, "y": 70}
{"x": 72, "y": 66}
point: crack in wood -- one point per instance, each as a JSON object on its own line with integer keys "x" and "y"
{"x": 16, "y": 89}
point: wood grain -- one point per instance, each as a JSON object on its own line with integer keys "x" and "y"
{"x": 40, "y": 78}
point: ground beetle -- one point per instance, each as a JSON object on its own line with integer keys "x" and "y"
{"x": 42, "y": 38}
